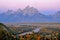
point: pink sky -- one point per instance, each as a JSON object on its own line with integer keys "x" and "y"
{"x": 39, "y": 4}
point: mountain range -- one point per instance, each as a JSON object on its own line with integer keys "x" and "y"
{"x": 28, "y": 14}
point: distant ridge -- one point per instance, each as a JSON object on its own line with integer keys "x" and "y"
{"x": 28, "y": 14}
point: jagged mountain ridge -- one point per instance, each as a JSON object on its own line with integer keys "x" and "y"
{"x": 28, "y": 14}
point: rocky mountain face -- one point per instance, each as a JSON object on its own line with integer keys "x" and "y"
{"x": 57, "y": 15}
{"x": 30, "y": 11}
{"x": 28, "y": 14}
